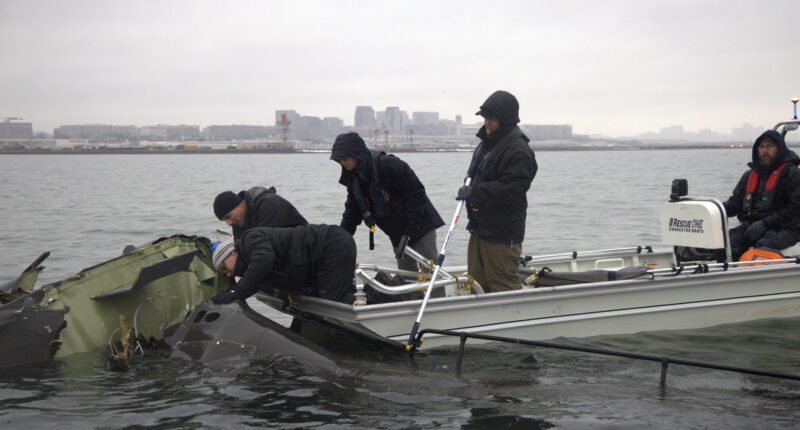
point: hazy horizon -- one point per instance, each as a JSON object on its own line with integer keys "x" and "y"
{"x": 616, "y": 70}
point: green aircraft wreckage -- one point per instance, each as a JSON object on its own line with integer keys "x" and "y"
{"x": 120, "y": 303}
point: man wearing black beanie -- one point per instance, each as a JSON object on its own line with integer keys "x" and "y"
{"x": 256, "y": 207}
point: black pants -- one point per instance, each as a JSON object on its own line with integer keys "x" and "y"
{"x": 333, "y": 278}
{"x": 774, "y": 239}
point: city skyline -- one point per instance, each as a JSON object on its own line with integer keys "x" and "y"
{"x": 614, "y": 70}
{"x": 743, "y": 132}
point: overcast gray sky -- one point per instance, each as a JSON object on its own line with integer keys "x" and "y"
{"x": 610, "y": 67}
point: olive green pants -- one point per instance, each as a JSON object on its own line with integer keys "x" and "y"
{"x": 494, "y": 265}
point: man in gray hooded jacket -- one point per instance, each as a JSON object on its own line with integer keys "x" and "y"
{"x": 766, "y": 200}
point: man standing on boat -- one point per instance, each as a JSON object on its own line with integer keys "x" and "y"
{"x": 314, "y": 260}
{"x": 766, "y": 199}
{"x": 502, "y": 170}
{"x": 256, "y": 207}
{"x": 383, "y": 191}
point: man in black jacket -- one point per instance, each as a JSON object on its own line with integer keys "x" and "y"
{"x": 382, "y": 190}
{"x": 256, "y": 207}
{"x": 766, "y": 199}
{"x": 313, "y": 260}
{"x": 502, "y": 169}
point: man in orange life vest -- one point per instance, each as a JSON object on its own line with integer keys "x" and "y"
{"x": 767, "y": 198}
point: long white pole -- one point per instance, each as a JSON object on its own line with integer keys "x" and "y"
{"x": 412, "y": 343}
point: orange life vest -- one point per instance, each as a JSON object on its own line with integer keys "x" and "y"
{"x": 769, "y": 189}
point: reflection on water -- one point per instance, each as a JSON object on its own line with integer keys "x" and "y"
{"x": 579, "y": 200}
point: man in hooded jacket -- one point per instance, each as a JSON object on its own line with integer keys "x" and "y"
{"x": 313, "y": 260}
{"x": 256, "y": 207}
{"x": 383, "y": 191}
{"x": 766, "y": 200}
{"x": 502, "y": 169}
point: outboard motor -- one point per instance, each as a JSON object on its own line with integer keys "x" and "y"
{"x": 688, "y": 222}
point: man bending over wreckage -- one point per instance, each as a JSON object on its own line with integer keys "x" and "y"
{"x": 256, "y": 207}
{"x": 314, "y": 260}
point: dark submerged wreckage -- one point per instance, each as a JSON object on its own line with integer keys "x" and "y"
{"x": 125, "y": 301}
{"x": 222, "y": 335}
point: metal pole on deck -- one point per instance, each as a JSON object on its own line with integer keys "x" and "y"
{"x": 412, "y": 343}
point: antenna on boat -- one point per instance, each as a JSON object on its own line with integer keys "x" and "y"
{"x": 795, "y": 100}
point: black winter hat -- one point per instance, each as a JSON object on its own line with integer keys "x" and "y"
{"x": 501, "y": 105}
{"x": 348, "y": 144}
{"x": 225, "y": 202}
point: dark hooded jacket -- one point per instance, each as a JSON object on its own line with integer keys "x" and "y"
{"x": 265, "y": 208}
{"x": 502, "y": 169}
{"x": 779, "y": 210}
{"x": 383, "y": 188}
{"x": 281, "y": 258}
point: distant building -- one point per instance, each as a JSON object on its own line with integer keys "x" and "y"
{"x": 380, "y": 120}
{"x": 236, "y": 132}
{"x": 332, "y": 122}
{"x": 170, "y": 132}
{"x": 290, "y": 115}
{"x": 394, "y": 119}
{"x": 747, "y": 132}
{"x": 547, "y": 132}
{"x": 96, "y": 132}
{"x": 425, "y": 118}
{"x": 468, "y": 130}
{"x": 16, "y": 130}
{"x": 308, "y": 122}
{"x": 364, "y": 117}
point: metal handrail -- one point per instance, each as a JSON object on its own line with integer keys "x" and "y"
{"x": 665, "y": 361}
{"x": 719, "y": 267}
{"x": 580, "y": 254}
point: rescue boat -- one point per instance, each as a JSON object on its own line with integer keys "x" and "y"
{"x": 575, "y": 294}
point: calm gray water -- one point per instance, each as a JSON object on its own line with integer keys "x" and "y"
{"x": 86, "y": 208}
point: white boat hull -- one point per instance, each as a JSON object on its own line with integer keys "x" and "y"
{"x": 688, "y": 301}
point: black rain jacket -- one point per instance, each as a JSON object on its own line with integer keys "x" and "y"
{"x": 265, "y": 208}
{"x": 386, "y": 187}
{"x": 502, "y": 169}
{"x": 279, "y": 258}
{"x": 498, "y": 205}
{"x": 782, "y": 211}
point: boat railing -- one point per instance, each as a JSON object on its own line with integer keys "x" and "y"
{"x": 425, "y": 265}
{"x": 405, "y": 288}
{"x": 574, "y": 255}
{"x": 421, "y": 285}
{"x": 665, "y": 361}
{"x": 787, "y": 126}
{"x": 718, "y": 267}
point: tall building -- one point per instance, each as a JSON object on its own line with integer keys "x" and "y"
{"x": 16, "y": 130}
{"x": 332, "y": 122}
{"x": 364, "y": 117}
{"x": 425, "y": 118}
{"x": 393, "y": 119}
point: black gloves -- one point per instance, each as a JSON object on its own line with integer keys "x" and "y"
{"x": 226, "y": 297}
{"x": 464, "y": 192}
{"x": 756, "y": 230}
